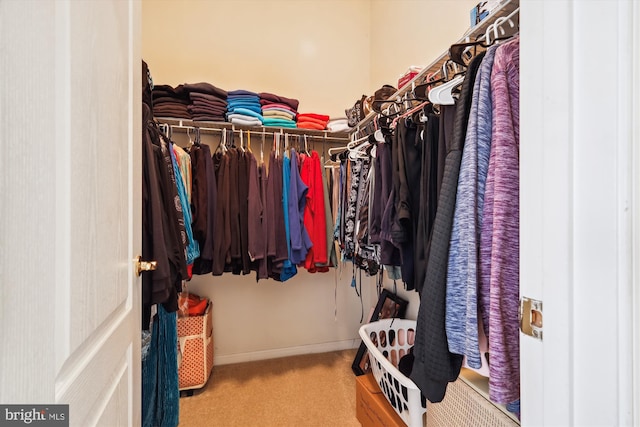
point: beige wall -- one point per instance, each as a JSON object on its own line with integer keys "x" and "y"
{"x": 314, "y": 51}
{"x": 326, "y": 54}
{"x": 412, "y": 32}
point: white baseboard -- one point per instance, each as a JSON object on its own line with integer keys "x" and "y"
{"x": 287, "y": 351}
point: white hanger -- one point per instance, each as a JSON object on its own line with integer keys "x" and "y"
{"x": 353, "y": 143}
{"x": 441, "y": 95}
{"x": 241, "y": 141}
{"x": 357, "y": 148}
{"x": 494, "y": 27}
{"x": 336, "y": 150}
{"x": 358, "y": 152}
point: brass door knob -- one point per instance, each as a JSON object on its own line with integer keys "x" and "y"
{"x": 141, "y": 266}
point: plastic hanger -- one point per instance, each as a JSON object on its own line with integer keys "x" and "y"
{"x": 262, "y": 147}
{"x": 306, "y": 147}
{"x": 460, "y": 53}
{"x": 442, "y": 95}
{"x": 222, "y": 146}
{"x": 359, "y": 148}
{"x": 358, "y": 152}
{"x": 189, "y": 136}
{"x": 334, "y": 151}
{"x": 276, "y": 144}
{"x": 385, "y": 106}
{"x": 197, "y": 140}
{"x": 241, "y": 141}
{"x": 379, "y": 136}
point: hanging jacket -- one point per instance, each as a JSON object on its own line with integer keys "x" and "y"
{"x": 499, "y": 238}
{"x": 463, "y": 272}
{"x": 434, "y": 366}
{"x": 314, "y": 212}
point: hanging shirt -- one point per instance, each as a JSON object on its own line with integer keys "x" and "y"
{"x": 184, "y": 163}
{"x": 222, "y": 242}
{"x": 288, "y": 268}
{"x": 384, "y": 205}
{"x": 198, "y": 201}
{"x": 409, "y": 153}
{"x": 300, "y": 241}
{"x": 354, "y": 169}
{"x": 314, "y": 212}
{"x": 434, "y": 365}
{"x": 262, "y": 270}
{"x": 193, "y": 249}
{"x": 244, "y": 165}
{"x": 462, "y": 276}
{"x": 160, "y": 232}
{"x": 331, "y": 247}
{"x": 427, "y": 198}
{"x": 204, "y": 264}
{"x": 499, "y": 238}
{"x": 256, "y": 239}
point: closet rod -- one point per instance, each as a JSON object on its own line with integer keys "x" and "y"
{"x": 507, "y": 9}
{"x": 212, "y": 127}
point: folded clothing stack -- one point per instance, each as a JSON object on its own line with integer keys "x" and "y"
{"x": 278, "y": 110}
{"x": 170, "y": 102}
{"x": 207, "y": 102}
{"x": 338, "y": 125}
{"x": 243, "y": 108}
{"x": 313, "y": 121}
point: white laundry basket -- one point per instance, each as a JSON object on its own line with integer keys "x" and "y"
{"x": 387, "y": 341}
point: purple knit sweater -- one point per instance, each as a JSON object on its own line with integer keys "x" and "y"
{"x": 499, "y": 238}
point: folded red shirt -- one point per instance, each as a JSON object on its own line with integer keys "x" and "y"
{"x": 311, "y": 125}
{"x": 312, "y": 120}
{"x": 315, "y": 116}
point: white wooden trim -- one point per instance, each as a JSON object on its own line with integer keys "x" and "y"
{"x": 624, "y": 211}
{"x": 635, "y": 219}
{"x": 63, "y": 184}
{"x": 580, "y": 210}
{"x": 285, "y": 352}
{"x": 546, "y": 209}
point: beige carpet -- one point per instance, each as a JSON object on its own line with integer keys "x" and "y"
{"x": 299, "y": 391}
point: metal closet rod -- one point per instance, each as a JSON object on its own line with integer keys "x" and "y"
{"x": 323, "y": 135}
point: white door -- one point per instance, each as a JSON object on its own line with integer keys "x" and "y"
{"x": 70, "y": 131}
{"x": 580, "y": 133}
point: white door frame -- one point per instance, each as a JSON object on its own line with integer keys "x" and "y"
{"x": 580, "y": 212}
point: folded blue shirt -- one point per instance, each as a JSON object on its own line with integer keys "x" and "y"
{"x": 232, "y": 108}
{"x": 246, "y": 112}
{"x": 244, "y": 98}
{"x": 241, "y": 92}
{"x": 270, "y": 121}
{"x": 255, "y": 119}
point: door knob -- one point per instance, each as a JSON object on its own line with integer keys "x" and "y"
{"x": 141, "y": 266}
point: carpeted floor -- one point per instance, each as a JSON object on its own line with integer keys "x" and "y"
{"x": 299, "y": 391}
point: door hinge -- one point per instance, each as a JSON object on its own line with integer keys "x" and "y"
{"x": 531, "y": 317}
